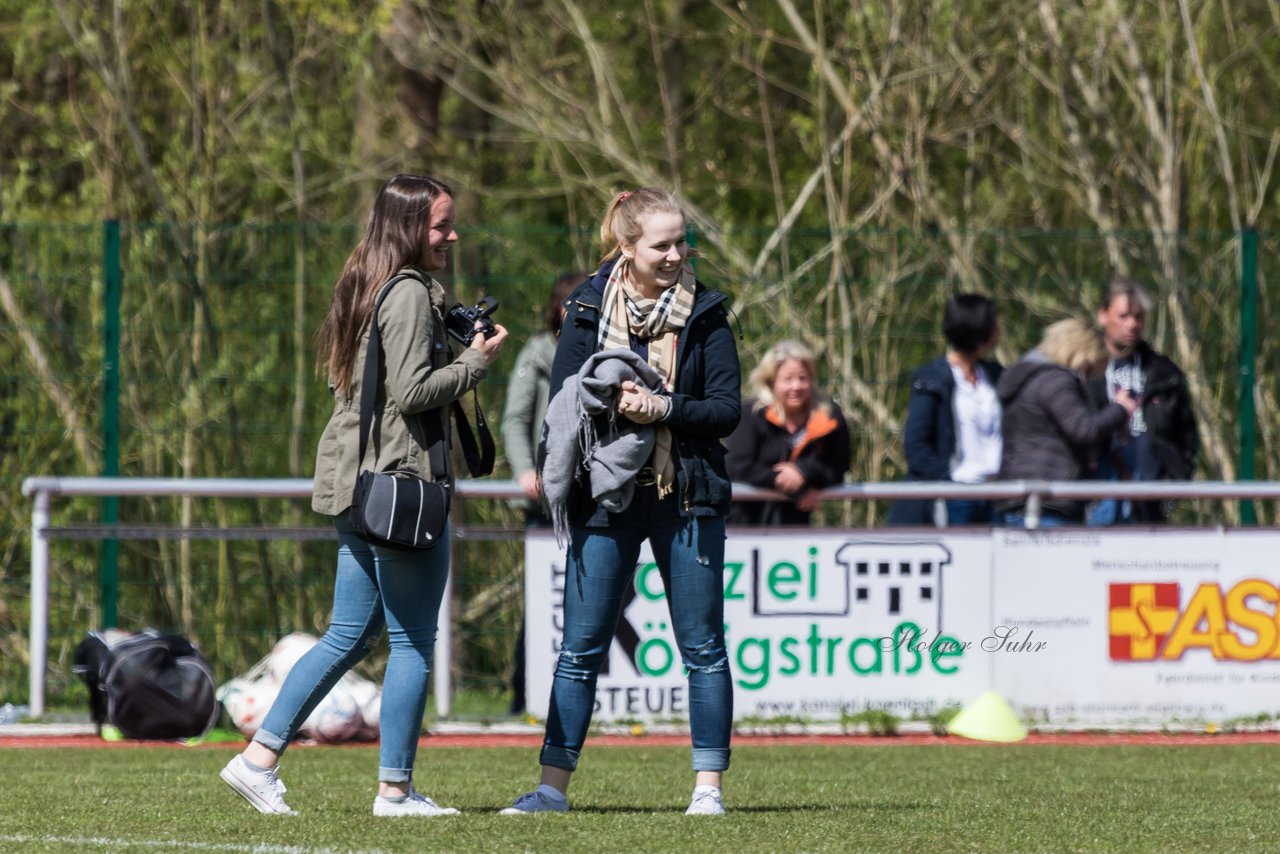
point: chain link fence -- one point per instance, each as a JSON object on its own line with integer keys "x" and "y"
{"x": 188, "y": 351}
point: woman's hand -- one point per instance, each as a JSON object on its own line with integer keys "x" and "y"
{"x": 640, "y": 405}
{"x": 489, "y": 347}
{"x": 530, "y": 484}
{"x": 1125, "y": 399}
{"x": 787, "y": 478}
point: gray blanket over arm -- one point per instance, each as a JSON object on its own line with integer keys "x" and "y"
{"x": 572, "y": 443}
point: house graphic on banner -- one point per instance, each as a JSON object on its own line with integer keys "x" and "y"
{"x": 872, "y": 583}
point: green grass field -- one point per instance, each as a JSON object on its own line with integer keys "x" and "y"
{"x": 839, "y": 798}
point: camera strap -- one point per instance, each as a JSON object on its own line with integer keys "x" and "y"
{"x": 479, "y": 458}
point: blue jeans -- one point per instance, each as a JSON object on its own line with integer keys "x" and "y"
{"x": 1109, "y": 511}
{"x": 601, "y": 562}
{"x": 1048, "y": 519}
{"x": 375, "y": 586}
{"x": 966, "y": 511}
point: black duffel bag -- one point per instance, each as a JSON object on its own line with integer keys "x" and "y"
{"x": 147, "y": 685}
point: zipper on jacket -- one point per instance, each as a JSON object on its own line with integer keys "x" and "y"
{"x": 688, "y": 476}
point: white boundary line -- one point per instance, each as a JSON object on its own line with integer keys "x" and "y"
{"x": 172, "y": 845}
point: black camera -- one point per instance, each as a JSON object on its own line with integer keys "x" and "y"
{"x": 460, "y": 321}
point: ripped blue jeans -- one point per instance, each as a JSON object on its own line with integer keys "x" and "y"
{"x": 601, "y": 565}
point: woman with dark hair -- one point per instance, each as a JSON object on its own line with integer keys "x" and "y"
{"x": 645, "y": 385}
{"x": 528, "y": 392}
{"x": 408, "y": 238}
{"x": 953, "y": 416}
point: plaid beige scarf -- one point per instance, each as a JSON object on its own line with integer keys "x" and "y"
{"x": 623, "y": 313}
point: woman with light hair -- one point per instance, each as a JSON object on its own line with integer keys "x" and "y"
{"x": 792, "y": 438}
{"x": 644, "y": 306}
{"x": 1051, "y": 432}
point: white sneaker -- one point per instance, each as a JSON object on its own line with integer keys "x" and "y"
{"x": 706, "y": 801}
{"x": 535, "y": 801}
{"x": 414, "y": 804}
{"x": 263, "y": 789}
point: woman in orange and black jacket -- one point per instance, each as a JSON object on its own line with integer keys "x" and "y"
{"x": 791, "y": 438}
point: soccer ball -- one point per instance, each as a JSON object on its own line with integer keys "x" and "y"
{"x": 349, "y": 711}
{"x": 336, "y": 718}
{"x": 285, "y": 654}
{"x": 372, "y": 723}
{"x": 247, "y": 702}
{"x": 368, "y": 697}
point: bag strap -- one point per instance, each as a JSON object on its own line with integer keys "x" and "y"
{"x": 368, "y": 393}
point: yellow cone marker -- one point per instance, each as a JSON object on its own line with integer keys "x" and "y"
{"x": 988, "y": 718}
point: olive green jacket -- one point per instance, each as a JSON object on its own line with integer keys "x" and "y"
{"x": 420, "y": 378}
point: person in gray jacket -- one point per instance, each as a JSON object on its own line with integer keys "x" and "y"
{"x": 1051, "y": 430}
{"x": 528, "y": 391}
{"x": 410, "y": 233}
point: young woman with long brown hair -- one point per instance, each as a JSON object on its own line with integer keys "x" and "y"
{"x": 409, "y": 234}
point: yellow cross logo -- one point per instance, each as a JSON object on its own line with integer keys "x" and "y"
{"x": 1144, "y": 621}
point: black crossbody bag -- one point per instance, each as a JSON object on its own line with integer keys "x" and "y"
{"x": 397, "y": 507}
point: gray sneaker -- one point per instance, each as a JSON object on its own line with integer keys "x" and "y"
{"x": 706, "y": 801}
{"x": 534, "y": 802}
{"x": 414, "y": 804}
{"x": 263, "y": 789}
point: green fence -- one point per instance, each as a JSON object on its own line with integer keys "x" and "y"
{"x": 187, "y": 351}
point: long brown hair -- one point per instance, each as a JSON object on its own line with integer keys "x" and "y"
{"x": 394, "y": 238}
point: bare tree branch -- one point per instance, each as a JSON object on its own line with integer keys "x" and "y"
{"x": 68, "y": 408}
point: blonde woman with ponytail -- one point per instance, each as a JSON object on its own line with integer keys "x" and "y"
{"x": 644, "y": 300}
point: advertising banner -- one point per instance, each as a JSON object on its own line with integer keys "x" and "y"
{"x": 819, "y": 624}
{"x": 1114, "y": 627}
{"x": 1141, "y": 626}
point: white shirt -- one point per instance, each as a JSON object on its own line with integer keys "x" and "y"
{"x": 978, "y": 438}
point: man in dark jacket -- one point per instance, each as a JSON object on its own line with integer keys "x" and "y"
{"x": 1161, "y": 439}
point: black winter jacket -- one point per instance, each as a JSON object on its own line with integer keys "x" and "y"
{"x": 759, "y": 443}
{"x": 705, "y": 405}
{"x": 1171, "y": 423}
{"x": 1166, "y": 405}
{"x": 929, "y": 438}
{"x": 1051, "y": 431}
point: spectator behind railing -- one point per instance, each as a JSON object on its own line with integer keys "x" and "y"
{"x": 1051, "y": 431}
{"x": 792, "y": 438}
{"x": 953, "y": 416}
{"x": 1160, "y": 441}
{"x": 528, "y": 391}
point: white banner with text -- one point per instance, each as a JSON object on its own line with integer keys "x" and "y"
{"x": 1080, "y": 626}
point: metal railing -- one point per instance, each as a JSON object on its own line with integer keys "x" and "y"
{"x": 42, "y": 490}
